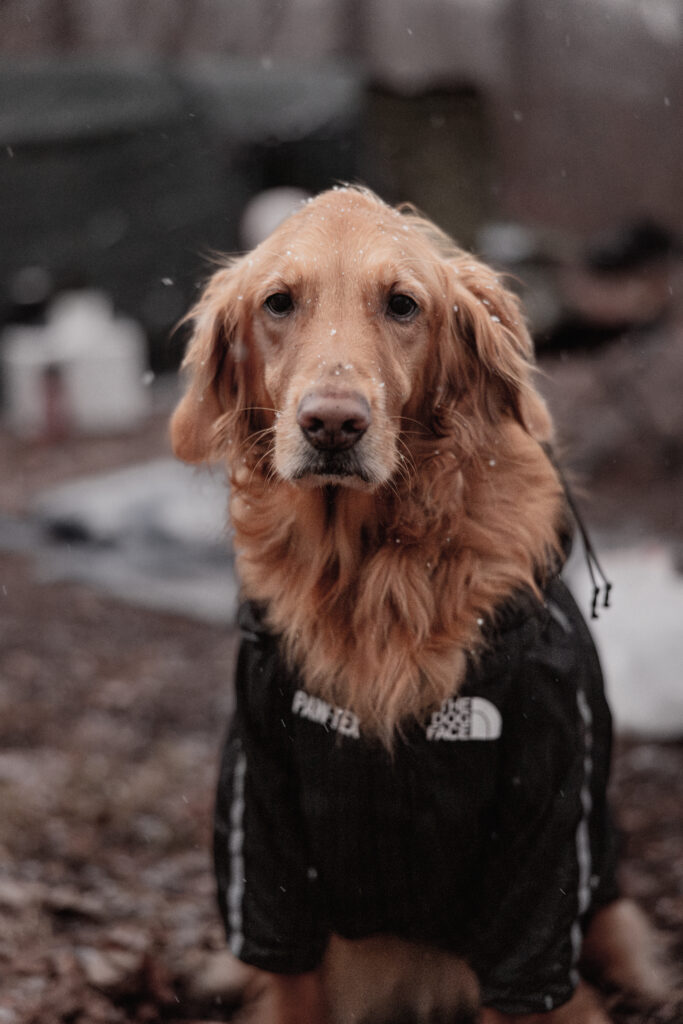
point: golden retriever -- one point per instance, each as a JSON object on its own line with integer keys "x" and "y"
{"x": 370, "y": 387}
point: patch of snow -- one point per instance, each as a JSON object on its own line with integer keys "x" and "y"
{"x": 640, "y": 638}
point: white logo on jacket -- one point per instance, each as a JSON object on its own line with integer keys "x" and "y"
{"x": 458, "y": 718}
{"x": 465, "y": 718}
{"x": 315, "y": 709}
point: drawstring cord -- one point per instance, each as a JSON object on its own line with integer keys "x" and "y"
{"x": 601, "y": 584}
{"x": 595, "y": 570}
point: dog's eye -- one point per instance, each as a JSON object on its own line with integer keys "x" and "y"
{"x": 401, "y": 307}
{"x": 279, "y": 304}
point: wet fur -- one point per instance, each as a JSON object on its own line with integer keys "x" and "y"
{"x": 382, "y": 582}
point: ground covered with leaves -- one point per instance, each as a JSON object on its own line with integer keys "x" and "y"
{"x": 110, "y": 725}
{"x": 111, "y": 719}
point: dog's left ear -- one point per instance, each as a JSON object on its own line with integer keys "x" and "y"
{"x": 491, "y": 353}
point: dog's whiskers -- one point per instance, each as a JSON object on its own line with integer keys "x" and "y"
{"x": 402, "y": 418}
{"x": 258, "y": 436}
{"x": 406, "y": 462}
{"x": 257, "y": 465}
{"x": 261, "y": 408}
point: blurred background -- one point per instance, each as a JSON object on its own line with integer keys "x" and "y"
{"x": 137, "y": 140}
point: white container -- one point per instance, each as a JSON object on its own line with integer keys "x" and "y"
{"x": 83, "y": 372}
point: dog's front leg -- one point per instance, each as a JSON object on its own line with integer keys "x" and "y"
{"x": 284, "y": 999}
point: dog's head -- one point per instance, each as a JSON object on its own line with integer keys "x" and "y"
{"x": 351, "y": 330}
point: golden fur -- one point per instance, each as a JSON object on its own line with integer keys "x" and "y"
{"x": 380, "y": 583}
{"x": 383, "y": 573}
{"x": 382, "y": 978}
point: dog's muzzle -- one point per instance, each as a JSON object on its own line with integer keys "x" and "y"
{"x": 333, "y": 421}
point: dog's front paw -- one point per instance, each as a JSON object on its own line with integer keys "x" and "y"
{"x": 284, "y": 999}
{"x": 583, "y": 1008}
{"x": 622, "y": 952}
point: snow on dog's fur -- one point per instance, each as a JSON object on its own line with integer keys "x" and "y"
{"x": 371, "y": 388}
{"x": 381, "y": 561}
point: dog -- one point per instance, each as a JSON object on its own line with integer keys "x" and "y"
{"x": 411, "y": 821}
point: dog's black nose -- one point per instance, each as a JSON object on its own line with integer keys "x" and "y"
{"x": 333, "y": 420}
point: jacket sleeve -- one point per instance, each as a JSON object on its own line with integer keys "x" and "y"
{"x": 267, "y": 885}
{"x": 550, "y": 834}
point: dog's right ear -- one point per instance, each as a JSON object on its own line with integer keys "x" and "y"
{"x": 204, "y": 416}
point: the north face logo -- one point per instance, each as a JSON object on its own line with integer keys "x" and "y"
{"x": 465, "y": 718}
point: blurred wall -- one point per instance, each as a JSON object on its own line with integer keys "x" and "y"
{"x": 584, "y": 96}
{"x": 133, "y": 132}
{"x": 597, "y": 94}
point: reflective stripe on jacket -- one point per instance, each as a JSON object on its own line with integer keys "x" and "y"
{"x": 485, "y": 832}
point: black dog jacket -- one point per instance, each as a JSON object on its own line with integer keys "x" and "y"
{"x": 485, "y": 832}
